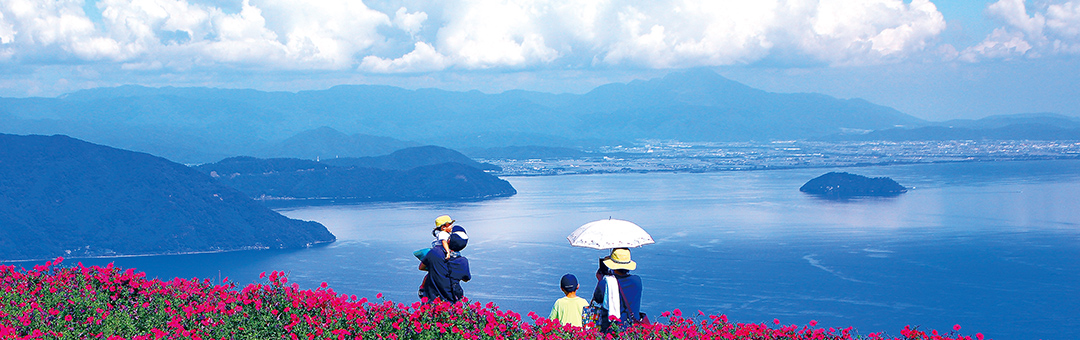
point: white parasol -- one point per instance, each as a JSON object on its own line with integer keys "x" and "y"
{"x": 608, "y": 234}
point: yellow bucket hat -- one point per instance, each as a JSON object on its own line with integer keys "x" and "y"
{"x": 443, "y": 220}
{"x": 620, "y": 259}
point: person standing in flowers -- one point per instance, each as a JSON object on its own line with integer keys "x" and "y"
{"x": 618, "y": 291}
{"x": 445, "y": 273}
{"x": 458, "y": 264}
{"x": 568, "y": 309}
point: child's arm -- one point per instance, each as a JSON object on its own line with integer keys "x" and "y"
{"x": 446, "y": 247}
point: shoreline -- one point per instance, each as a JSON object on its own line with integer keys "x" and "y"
{"x": 627, "y": 170}
{"x": 674, "y": 156}
{"x": 251, "y": 248}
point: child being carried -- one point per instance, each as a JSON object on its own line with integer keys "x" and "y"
{"x": 445, "y": 233}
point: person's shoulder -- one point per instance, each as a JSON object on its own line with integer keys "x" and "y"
{"x": 580, "y": 301}
{"x": 459, "y": 260}
{"x": 435, "y": 253}
{"x": 566, "y": 300}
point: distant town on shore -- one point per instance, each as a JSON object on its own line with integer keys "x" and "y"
{"x": 654, "y": 156}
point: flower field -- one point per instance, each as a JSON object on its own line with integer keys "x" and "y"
{"x": 53, "y": 301}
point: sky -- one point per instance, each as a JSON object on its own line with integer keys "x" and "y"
{"x": 936, "y": 60}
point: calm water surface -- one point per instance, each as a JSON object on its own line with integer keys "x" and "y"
{"x": 993, "y": 247}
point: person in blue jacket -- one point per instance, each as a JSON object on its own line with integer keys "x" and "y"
{"x": 443, "y": 279}
{"x": 459, "y": 265}
{"x": 619, "y": 265}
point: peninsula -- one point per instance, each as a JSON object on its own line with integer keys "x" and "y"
{"x": 60, "y": 196}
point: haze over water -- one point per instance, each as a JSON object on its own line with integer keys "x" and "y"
{"x": 990, "y": 246}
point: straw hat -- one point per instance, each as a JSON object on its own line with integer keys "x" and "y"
{"x": 620, "y": 259}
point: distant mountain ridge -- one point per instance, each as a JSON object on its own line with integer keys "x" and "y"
{"x": 60, "y": 196}
{"x": 292, "y": 179}
{"x": 1000, "y": 121}
{"x": 409, "y": 158}
{"x": 326, "y": 143}
{"x": 198, "y": 125}
{"x": 700, "y": 105}
{"x": 1038, "y": 126}
{"x": 528, "y": 152}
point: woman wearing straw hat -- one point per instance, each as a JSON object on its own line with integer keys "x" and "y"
{"x": 618, "y": 290}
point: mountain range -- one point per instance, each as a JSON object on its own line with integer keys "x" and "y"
{"x": 327, "y": 143}
{"x": 1030, "y": 126}
{"x": 409, "y": 158}
{"x": 200, "y": 125}
{"x": 60, "y": 196}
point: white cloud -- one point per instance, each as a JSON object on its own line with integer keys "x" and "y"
{"x": 36, "y": 27}
{"x": 1014, "y": 13}
{"x": 332, "y": 33}
{"x": 481, "y": 34}
{"x": 691, "y": 33}
{"x": 684, "y": 33}
{"x": 247, "y": 26}
{"x": 1052, "y": 28}
{"x": 845, "y": 32}
{"x": 423, "y": 58}
{"x": 1064, "y": 19}
{"x": 494, "y": 33}
{"x": 276, "y": 34}
{"x": 7, "y": 30}
{"x": 409, "y": 22}
{"x": 1001, "y": 44}
{"x": 7, "y": 37}
{"x": 134, "y": 26}
{"x": 240, "y": 38}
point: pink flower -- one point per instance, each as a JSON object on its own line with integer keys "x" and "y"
{"x": 956, "y": 327}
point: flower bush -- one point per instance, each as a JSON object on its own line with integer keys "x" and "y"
{"x": 51, "y": 301}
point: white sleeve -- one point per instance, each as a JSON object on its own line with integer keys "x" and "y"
{"x": 613, "y": 296}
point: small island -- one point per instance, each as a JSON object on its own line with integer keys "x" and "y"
{"x": 843, "y": 185}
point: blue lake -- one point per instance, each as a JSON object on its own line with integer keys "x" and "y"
{"x": 994, "y": 247}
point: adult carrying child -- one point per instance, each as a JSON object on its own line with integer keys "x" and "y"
{"x": 445, "y": 266}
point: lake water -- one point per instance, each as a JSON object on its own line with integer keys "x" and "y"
{"x": 994, "y": 247}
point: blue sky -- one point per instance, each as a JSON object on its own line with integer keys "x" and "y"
{"x": 936, "y": 60}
